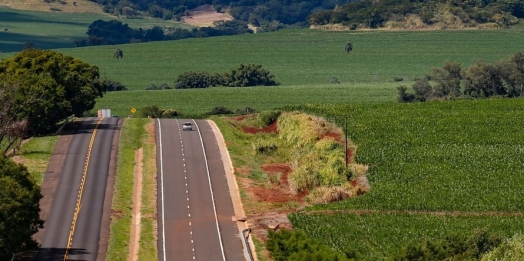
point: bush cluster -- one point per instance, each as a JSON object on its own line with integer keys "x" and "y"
{"x": 244, "y": 76}
{"x": 504, "y": 78}
{"x": 293, "y": 245}
{"x": 453, "y": 247}
{"x": 155, "y": 112}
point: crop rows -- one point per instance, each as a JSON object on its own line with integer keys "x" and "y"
{"x": 446, "y": 157}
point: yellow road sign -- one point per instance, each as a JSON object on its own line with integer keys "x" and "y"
{"x": 133, "y": 110}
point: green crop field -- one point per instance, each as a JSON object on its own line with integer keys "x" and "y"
{"x": 197, "y": 101}
{"x": 448, "y": 157}
{"x": 52, "y": 30}
{"x": 460, "y": 157}
{"x": 302, "y": 60}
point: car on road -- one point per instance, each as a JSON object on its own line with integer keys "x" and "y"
{"x": 187, "y": 126}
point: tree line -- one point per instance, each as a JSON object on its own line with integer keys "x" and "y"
{"x": 102, "y": 32}
{"x": 374, "y": 14}
{"x": 504, "y": 78}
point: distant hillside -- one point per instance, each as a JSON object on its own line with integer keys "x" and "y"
{"x": 255, "y": 12}
{"x": 413, "y": 14}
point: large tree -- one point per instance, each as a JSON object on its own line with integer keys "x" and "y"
{"x": 19, "y": 208}
{"x": 64, "y": 85}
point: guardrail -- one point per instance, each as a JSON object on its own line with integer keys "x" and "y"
{"x": 246, "y": 242}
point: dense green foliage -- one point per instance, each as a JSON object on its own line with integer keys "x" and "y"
{"x": 249, "y": 75}
{"x": 512, "y": 249}
{"x": 287, "y": 245}
{"x": 115, "y": 32}
{"x": 19, "y": 208}
{"x": 454, "y": 247}
{"x": 189, "y": 80}
{"x": 252, "y": 11}
{"x": 244, "y": 76}
{"x": 58, "y": 86}
{"x": 374, "y": 14}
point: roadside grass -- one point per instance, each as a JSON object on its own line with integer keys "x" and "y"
{"x": 35, "y": 155}
{"x": 52, "y": 30}
{"x": 148, "y": 233}
{"x": 131, "y": 138}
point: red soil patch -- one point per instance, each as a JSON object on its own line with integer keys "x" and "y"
{"x": 271, "y": 128}
{"x": 278, "y": 193}
{"x": 341, "y": 139}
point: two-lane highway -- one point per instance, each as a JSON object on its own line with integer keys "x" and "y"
{"x": 72, "y": 230}
{"x": 194, "y": 204}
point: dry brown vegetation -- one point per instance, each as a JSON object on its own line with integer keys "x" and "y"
{"x": 66, "y": 6}
{"x": 265, "y": 179}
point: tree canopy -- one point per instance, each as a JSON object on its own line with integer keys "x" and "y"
{"x": 44, "y": 87}
{"x": 19, "y": 208}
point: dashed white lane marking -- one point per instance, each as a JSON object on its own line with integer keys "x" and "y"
{"x": 187, "y": 190}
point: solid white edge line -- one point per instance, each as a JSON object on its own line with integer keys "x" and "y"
{"x": 162, "y": 189}
{"x": 211, "y": 190}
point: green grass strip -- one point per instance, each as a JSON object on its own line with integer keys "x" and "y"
{"x": 36, "y": 154}
{"x": 148, "y": 246}
{"x": 120, "y": 227}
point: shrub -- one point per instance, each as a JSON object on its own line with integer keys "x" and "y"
{"x": 264, "y": 147}
{"x": 189, "y": 80}
{"x": 220, "y": 111}
{"x": 454, "y": 247}
{"x": 510, "y": 250}
{"x": 403, "y": 96}
{"x": 113, "y": 85}
{"x": 398, "y": 79}
{"x": 245, "y": 110}
{"x": 268, "y": 117}
{"x": 169, "y": 113}
{"x": 292, "y": 245}
{"x": 249, "y": 75}
{"x": 151, "y": 111}
{"x": 422, "y": 90}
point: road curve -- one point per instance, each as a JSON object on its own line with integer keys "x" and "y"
{"x": 194, "y": 203}
{"x": 72, "y": 229}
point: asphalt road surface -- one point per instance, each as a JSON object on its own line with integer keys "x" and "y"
{"x": 194, "y": 205}
{"x": 72, "y": 229}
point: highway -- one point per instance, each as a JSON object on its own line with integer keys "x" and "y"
{"x": 194, "y": 205}
{"x": 72, "y": 229}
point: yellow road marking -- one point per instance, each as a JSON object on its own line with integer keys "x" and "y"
{"x": 79, "y": 199}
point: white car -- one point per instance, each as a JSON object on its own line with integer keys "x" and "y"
{"x": 187, "y": 126}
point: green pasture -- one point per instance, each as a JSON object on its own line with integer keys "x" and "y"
{"x": 459, "y": 156}
{"x": 52, "y": 30}
{"x": 196, "y": 101}
{"x": 302, "y": 56}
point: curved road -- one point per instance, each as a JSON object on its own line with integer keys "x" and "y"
{"x": 194, "y": 204}
{"x": 72, "y": 229}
